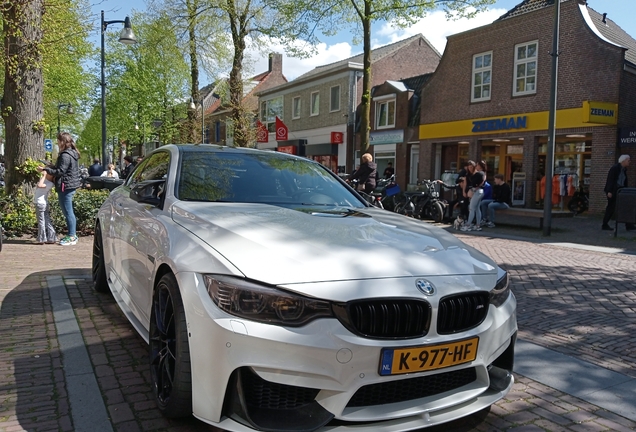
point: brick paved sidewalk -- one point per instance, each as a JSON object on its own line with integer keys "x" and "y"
{"x": 32, "y": 376}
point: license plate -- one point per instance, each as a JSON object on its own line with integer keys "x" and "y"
{"x": 426, "y": 358}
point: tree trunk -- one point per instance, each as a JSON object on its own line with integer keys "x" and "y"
{"x": 239, "y": 119}
{"x": 192, "y": 123}
{"x": 22, "y": 107}
{"x": 365, "y": 109}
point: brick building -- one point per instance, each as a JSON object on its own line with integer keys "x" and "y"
{"x": 395, "y": 117}
{"x": 319, "y": 107}
{"x": 490, "y": 96}
{"x": 217, "y": 114}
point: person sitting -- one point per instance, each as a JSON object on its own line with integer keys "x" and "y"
{"x": 96, "y": 169}
{"x": 501, "y": 199}
{"x": 110, "y": 172}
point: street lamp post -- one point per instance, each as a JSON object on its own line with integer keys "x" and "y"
{"x": 126, "y": 37}
{"x": 69, "y": 110}
{"x": 193, "y": 106}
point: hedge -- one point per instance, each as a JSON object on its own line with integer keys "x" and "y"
{"x": 17, "y": 212}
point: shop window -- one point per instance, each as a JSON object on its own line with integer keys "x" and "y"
{"x": 482, "y": 73}
{"x": 385, "y": 112}
{"x": 270, "y": 109}
{"x": 296, "y": 107}
{"x": 525, "y": 70}
{"x": 315, "y": 104}
{"x": 334, "y": 104}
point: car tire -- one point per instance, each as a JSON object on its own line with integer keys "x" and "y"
{"x": 170, "y": 368}
{"x": 100, "y": 283}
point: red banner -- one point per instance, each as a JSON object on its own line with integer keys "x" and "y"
{"x": 337, "y": 137}
{"x": 281, "y": 130}
{"x": 262, "y": 134}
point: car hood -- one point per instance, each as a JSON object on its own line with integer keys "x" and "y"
{"x": 279, "y": 245}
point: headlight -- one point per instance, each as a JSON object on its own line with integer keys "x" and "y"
{"x": 500, "y": 293}
{"x": 264, "y": 304}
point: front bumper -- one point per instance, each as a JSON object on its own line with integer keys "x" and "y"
{"x": 315, "y": 373}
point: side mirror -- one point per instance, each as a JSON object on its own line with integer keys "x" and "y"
{"x": 148, "y": 192}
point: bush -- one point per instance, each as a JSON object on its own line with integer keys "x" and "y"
{"x": 17, "y": 211}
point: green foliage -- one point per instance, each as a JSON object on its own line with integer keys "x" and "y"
{"x": 29, "y": 169}
{"x": 17, "y": 211}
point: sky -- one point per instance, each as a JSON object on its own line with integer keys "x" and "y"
{"x": 434, "y": 27}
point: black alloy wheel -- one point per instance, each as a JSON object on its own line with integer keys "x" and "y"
{"x": 100, "y": 283}
{"x": 169, "y": 351}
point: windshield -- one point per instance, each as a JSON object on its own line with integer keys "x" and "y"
{"x": 268, "y": 178}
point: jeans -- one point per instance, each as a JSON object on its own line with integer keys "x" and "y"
{"x": 494, "y": 206}
{"x": 46, "y": 232}
{"x": 484, "y": 207}
{"x": 66, "y": 204}
{"x": 478, "y": 195}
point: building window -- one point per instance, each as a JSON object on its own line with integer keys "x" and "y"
{"x": 335, "y": 99}
{"x": 269, "y": 110}
{"x": 525, "y": 69}
{"x": 385, "y": 112}
{"x": 482, "y": 74}
{"x": 315, "y": 104}
{"x": 296, "y": 107}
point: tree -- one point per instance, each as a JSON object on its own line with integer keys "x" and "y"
{"x": 146, "y": 81}
{"x": 39, "y": 49}
{"x": 330, "y": 15}
{"x": 23, "y": 85}
{"x": 201, "y": 41}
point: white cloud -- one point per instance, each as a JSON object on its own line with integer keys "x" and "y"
{"x": 434, "y": 27}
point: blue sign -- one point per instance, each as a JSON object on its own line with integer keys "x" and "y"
{"x": 48, "y": 145}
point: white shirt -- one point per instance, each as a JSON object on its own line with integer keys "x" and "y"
{"x": 114, "y": 174}
{"x": 39, "y": 197}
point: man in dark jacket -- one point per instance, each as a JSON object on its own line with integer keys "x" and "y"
{"x": 129, "y": 166}
{"x": 367, "y": 173}
{"x": 616, "y": 179}
{"x": 501, "y": 195}
{"x": 96, "y": 169}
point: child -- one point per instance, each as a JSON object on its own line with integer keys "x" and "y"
{"x": 46, "y": 232}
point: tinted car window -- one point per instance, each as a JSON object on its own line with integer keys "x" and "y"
{"x": 154, "y": 167}
{"x": 269, "y": 178}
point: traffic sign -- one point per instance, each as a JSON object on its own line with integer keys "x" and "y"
{"x": 48, "y": 145}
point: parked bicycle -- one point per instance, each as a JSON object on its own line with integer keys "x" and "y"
{"x": 423, "y": 204}
{"x": 387, "y": 189}
{"x": 374, "y": 200}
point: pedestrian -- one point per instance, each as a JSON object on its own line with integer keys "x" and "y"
{"x": 616, "y": 179}
{"x": 501, "y": 194}
{"x": 110, "y": 172}
{"x": 389, "y": 170}
{"x": 46, "y": 231}
{"x": 67, "y": 180}
{"x": 475, "y": 194}
{"x": 367, "y": 173}
{"x": 129, "y": 166}
{"x": 96, "y": 169}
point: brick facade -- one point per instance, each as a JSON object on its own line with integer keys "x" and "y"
{"x": 590, "y": 69}
{"x": 400, "y": 60}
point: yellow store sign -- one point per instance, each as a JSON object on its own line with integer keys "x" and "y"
{"x": 590, "y": 114}
{"x": 600, "y": 112}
